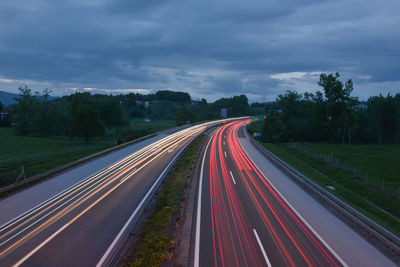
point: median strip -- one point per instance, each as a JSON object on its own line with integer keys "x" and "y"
{"x": 155, "y": 243}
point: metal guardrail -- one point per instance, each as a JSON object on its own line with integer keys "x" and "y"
{"x": 390, "y": 240}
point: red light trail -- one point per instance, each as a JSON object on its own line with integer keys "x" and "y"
{"x": 243, "y": 201}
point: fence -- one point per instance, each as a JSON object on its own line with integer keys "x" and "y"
{"x": 374, "y": 182}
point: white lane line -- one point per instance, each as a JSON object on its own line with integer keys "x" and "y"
{"x": 127, "y": 176}
{"x": 225, "y": 153}
{"x": 262, "y": 248}
{"x": 197, "y": 240}
{"x": 233, "y": 179}
{"x": 89, "y": 207}
{"x": 139, "y": 153}
{"x": 295, "y": 211}
{"x": 118, "y": 237}
{"x": 224, "y": 142}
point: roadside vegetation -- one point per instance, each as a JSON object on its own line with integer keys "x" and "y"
{"x": 349, "y": 147}
{"x": 40, "y": 132}
{"x": 35, "y": 155}
{"x": 373, "y": 203}
{"x": 157, "y": 235}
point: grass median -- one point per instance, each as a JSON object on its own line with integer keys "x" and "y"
{"x": 156, "y": 237}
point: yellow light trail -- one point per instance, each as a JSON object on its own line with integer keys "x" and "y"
{"x": 101, "y": 183}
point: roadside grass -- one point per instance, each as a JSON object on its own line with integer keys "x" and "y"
{"x": 354, "y": 192}
{"x": 152, "y": 126}
{"x": 23, "y": 148}
{"x": 380, "y": 164}
{"x": 152, "y": 247}
{"x": 39, "y": 154}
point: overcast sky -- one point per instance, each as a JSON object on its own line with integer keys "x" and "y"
{"x": 208, "y": 48}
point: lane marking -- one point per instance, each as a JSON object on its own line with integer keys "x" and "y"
{"x": 197, "y": 238}
{"x": 119, "y": 162}
{"x": 225, "y": 153}
{"x": 116, "y": 239}
{"x": 136, "y": 155}
{"x": 262, "y": 248}
{"x": 92, "y": 190}
{"x": 89, "y": 207}
{"x": 295, "y": 211}
{"x": 224, "y": 142}
{"x": 233, "y": 179}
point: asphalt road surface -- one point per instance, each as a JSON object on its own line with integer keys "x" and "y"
{"x": 78, "y": 226}
{"x": 242, "y": 220}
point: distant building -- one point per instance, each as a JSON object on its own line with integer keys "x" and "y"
{"x": 224, "y": 113}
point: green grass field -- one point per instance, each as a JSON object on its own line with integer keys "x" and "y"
{"x": 356, "y": 193}
{"x": 38, "y": 154}
{"x": 152, "y": 126}
{"x": 14, "y": 147}
{"x": 379, "y": 163}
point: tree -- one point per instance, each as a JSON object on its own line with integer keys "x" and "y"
{"x": 184, "y": 115}
{"x": 111, "y": 112}
{"x": 236, "y": 105}
{"x": 85, "y": 122}
{"x": 272, "y": 129}
{"x": 25, "y": 110}
{"x": 42, "y": 121}
{"x": 167, "y": 95}
{"x": 384, "y": 115}
{"x": 339, "y": 103}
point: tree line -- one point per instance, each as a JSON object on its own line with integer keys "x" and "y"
{"x": 85, "y": 115}
{"x": 332, "y": 115}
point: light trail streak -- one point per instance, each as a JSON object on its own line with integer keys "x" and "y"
{"x": 234, "y": 241}
{"x": 87, "y": 189}
{"x": 226, "y": 207}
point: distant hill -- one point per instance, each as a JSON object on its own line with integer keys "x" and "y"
{"x": 7, "y": 98}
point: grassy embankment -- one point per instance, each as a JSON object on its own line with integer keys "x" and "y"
{"x": 379, "y": 163}
{"x": 157, "y": 234}
{"x": 38, "y": 154}
{"x": 152, "y": 126}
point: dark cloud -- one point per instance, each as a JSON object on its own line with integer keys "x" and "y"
{"x": 208, "y": 48}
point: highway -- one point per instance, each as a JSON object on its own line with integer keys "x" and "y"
{"x": 79, "y": 226}
{"x": 241, "y": 219}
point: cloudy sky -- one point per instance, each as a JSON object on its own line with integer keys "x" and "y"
{"x": 208, "y": 48}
